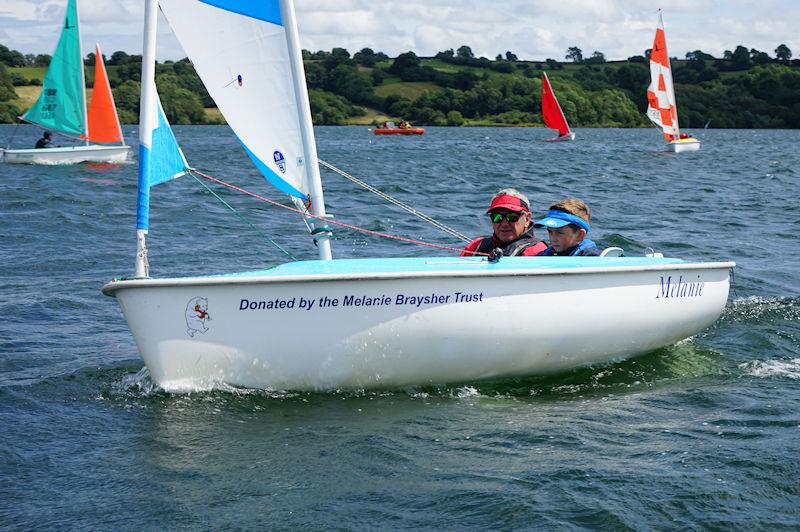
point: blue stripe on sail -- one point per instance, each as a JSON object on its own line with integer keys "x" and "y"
{"x": 268, "y": 10}
{"x": 167, "y": 161}
{"x": 274, "y": 179}
{"x": 143, "y": 197}
{"x": 158, "y": 163}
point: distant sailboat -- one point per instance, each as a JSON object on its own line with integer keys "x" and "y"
{"x": 552, "y": 113}
{"x": 661, "y": 104}
{"x": 62, "y": 107}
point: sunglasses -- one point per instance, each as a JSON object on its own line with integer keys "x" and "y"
{"x": 497, "y": 217}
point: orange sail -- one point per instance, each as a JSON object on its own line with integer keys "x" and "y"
{"x": 103, "y": 120}
{"x": 551, "y": 110}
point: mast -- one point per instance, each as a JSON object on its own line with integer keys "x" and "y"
{"x": 83, "y": 77}
{"x": 306, "y": 125}
{"x": 146, "y": 123}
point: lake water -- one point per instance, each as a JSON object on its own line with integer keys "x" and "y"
{"x": 701, "y": 435}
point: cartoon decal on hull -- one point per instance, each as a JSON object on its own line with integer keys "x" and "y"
{"x": 197, "y": 315}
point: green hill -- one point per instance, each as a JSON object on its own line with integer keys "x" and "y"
{"x": 745, "y": 90}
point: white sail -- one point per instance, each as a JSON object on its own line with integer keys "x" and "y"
{"x": 240, "y": 51}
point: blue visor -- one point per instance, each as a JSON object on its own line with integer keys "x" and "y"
{"x": 560, "y": 219}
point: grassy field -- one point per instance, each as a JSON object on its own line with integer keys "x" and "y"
{"x": 29, "y": 72}
{"x": 28, "y": 95}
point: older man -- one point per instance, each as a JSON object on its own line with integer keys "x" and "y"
{"x": 512, "y": 231}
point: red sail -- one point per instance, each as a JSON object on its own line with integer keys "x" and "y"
{"x": 551, "y": 111}
{"x": 103, "y": 121}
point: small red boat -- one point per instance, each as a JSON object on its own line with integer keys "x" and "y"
{"x": 404, "y": 128}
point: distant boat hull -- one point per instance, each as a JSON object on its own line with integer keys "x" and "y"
{"x": 405, "y": 322}
{"x": 67, "y": 155}
{"x": 683, "y": 145}
{"x": 398, "y": 131}
{"x": 568, "y": 137}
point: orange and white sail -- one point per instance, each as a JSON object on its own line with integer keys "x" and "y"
{"x": 551, "y": 110}
{"x": 103, "y": 121}
{"x": 661, "y": 106}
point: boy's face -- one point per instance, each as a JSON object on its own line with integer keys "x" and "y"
{"x": 563, "y": 238}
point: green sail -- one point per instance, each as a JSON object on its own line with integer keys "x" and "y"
{"x": 61, "y": 106}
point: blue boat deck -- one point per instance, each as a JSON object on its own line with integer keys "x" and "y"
{"x": 442, "y": 264}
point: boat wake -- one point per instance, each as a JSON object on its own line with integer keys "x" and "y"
{"x": 773, "y": 368}
{"x": 759, "y": 308}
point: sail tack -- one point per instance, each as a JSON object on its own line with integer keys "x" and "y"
{"x": 240, "y": 51}
{"x": 61, "y": 105}
{"x": 661, "y": 108}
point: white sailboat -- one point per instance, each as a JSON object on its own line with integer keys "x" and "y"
{"x": 367, "y": 323}
{"x": 662, "y": 108}
{"x": 62, "y": 107}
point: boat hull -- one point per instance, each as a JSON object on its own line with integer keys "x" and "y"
{"x": 399, "y": 131}
{"x": 67, "y": 155}
{"x": 683, "y": 145}
{"x": 389, "y": 328}
{"x": 570, "y": 136}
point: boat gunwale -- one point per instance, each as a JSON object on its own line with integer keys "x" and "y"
{"x": 115, "y": 285}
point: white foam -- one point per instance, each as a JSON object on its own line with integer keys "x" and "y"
{"x": 466, "y": 392}
{"x": 773, "y": 368}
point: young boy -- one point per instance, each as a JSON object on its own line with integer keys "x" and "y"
{"x": 567, "y": 224}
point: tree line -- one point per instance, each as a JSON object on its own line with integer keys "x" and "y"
{"x": 746, "y": 88}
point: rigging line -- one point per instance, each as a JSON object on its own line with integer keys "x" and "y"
{"x": 13, "y": 134}
{"x": 241, "y": 217}
{"x": 408, "y": 208}
{"x": 331, "y": 221}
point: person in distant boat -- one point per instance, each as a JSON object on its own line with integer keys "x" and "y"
{"x": 685, "y": 136}
{"x": 404, "y": 125}
{"x": 567, "y": 224}
{"x": 512, "y": 231}
{"x": 384, "y": 125}
{"x": 46, "y": 141}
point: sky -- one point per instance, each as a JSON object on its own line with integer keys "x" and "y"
{"x": 534, "y": 30}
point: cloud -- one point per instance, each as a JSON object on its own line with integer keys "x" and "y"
{"x": 532, "y": 29}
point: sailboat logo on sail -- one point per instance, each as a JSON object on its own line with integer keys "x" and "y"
{"x": 280, "y": 161}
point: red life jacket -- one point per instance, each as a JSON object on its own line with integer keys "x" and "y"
{"x": 524, "y": 246}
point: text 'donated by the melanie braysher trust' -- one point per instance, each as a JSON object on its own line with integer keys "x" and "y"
{"x": 383, "y": 300}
